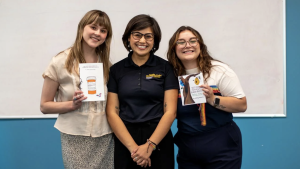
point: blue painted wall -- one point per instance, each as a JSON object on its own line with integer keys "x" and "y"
{"x": 268, "y": 143}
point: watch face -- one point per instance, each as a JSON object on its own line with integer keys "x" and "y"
{"x": 217, "y": 101}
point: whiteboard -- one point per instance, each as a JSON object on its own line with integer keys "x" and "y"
{"x": 248, "y": 35}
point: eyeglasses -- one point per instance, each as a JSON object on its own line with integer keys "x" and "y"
{"x": 182, "y": 43}
{"x": 138, "y": 36}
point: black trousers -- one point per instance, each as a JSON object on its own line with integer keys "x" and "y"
{"x": 160, "y": 159}
{"x": 220, "y": 148}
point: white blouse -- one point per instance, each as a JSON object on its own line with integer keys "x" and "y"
{"x": 90, "y": 119}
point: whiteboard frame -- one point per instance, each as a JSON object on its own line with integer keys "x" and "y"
{"x": 31, "y": 117}
{"x": 238, "y": 115}
{"x": 284, "y": 75}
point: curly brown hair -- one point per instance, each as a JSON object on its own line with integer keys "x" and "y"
{"x": 204, "y": 59}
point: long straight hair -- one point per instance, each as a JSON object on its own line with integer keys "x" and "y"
{"x": 76, "y": 53}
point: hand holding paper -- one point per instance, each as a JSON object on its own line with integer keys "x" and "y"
{"x": 78, "y": 97}
{"x": 92, "y": 82}
{"x": 190, "y": 90}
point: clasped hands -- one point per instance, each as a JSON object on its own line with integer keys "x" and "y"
{"x": 141, "y": 155}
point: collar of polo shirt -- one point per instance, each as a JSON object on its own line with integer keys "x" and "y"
{"x": 150, "y": 62}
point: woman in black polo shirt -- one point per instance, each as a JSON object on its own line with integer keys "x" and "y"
{"x": 207, "y": 138}
{"x": 142, "y": 97}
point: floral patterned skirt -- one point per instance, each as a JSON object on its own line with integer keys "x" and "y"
{"x": 84, "y": 152}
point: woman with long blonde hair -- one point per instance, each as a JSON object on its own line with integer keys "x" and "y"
{"x": 86, "y": 137}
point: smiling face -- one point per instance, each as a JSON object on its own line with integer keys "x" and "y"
{"x": 141, "y": 47}
{"x": 186, "y": 53}
{"x": 93, "y": 35}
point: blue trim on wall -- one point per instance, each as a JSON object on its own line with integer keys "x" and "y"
{"x": 29, "y": 144}
{"x": 267, "y": 142}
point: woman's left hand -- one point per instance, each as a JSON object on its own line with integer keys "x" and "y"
{"x": 208, "y": 93}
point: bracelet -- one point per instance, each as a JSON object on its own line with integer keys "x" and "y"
{"x": 152, "y": 144}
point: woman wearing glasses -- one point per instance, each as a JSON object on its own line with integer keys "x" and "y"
{"x": 207, "y": 137}
{"x": 86, "y": 137}
{"x": 142, "y": 97}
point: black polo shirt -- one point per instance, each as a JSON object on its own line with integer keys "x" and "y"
{"x": 141, "y": 89}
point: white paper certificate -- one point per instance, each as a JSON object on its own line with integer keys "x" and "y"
{"x": 92, "y": 81}
{"x": 190, "y": 90}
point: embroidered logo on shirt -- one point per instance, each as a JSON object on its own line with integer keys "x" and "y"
{"x": 151, "y": 76}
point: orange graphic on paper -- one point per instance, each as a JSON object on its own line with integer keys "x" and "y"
{"x": 91, "y": 82}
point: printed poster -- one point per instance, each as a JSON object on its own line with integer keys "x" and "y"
{"x": 190, "y": 90}
{"x": 92, "y": 81}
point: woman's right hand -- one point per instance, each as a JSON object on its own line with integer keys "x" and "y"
{"x": 143, "y": 163}
{"x": 141, "y": 155}
{"x": 78, "y": 97}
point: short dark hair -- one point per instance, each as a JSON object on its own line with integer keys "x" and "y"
{"x": 140, "y": 22}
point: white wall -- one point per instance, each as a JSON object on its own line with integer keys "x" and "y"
{"x": 248, "y": 35}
